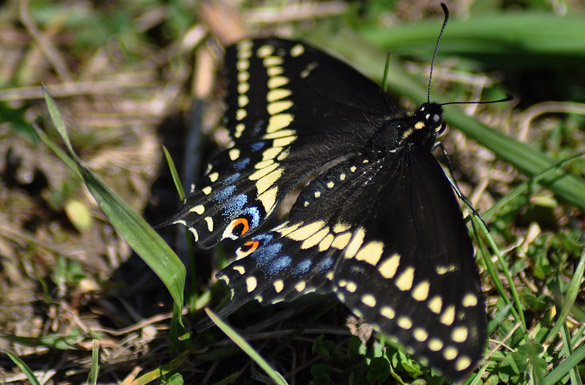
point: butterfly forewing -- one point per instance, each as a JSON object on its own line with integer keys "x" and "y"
{"x": 291, "y": 110}
{"x": 378, "y": 224}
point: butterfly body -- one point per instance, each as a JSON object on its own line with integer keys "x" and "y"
{"x": 377, "y": 222}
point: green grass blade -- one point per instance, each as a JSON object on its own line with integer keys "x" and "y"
{"x": 510, "y": 39}
{"x": 555, "y": 375}
{"x": 247, "y": 348}
{"x": 174, "y": 173}
{"x": 92, "y": 377}
{"x": 25, "y": 369}
{"x": 139, "y": 235}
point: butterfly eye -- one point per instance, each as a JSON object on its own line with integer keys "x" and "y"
{"x": 237, "y": 228}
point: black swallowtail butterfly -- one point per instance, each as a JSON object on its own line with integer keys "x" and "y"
{"x": 378, "y": 224}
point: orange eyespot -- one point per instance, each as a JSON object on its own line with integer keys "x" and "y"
{"x": 245, "y": 226}
{"x": 250, "y": 246}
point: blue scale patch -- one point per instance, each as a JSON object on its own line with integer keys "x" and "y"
{"x": 278, "y": 265}
{"x": 258, "y": 146}
{"x": 254, "y": 215}
{"x": 234, "y": 207}
{"x": 224, "y": 194}
{"x": 242, "y": 164}
{"x": 302, "y": 267}
{"x": 325, "y": 264}
{"x": 265, "y": 254}
{"x": 231, "y": 179}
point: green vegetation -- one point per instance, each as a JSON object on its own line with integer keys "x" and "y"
{"x": 91, "y": 294}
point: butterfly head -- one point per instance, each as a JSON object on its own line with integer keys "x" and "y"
{"x": 427, "y": 124}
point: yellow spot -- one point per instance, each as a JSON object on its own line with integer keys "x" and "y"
{"x": 421, "y": 291}
{"x": 240, "y": 269}
{"x": 450, "y": 353}
{"x": 243, "y": 101}
{"x": 355, "y": 243}
{"x": 234, "y": 153}
{"x": 251, "y": 284}
{"x": 407, "y": 133}
{"x": 388, "y": 312}
{"x": 351, "y": 287}
{"x": 419, "y": 125}
{"x": 315, "y": 238}
{"x": 469, "y": 300}
{"x": 265, "y": 163}
{"x": 459, "y": 334}
{"x": 404, "y": 281}
{"x": 280, "y": 133}
{"x": 420, "y": 335}
{"x": 207, "y": 190}
{"x": 281, "y": 142}
{"x": 245, "y": 45}
{"x": 306, "y": 231}
{"x": 213, "y": 177}
{"x": 271, "y": 166}
{"x": 243, "y": 65}
{"x": 330, "y": 185}
{"x": 199, "y": 209}
{"x": 209, "y": 221}
{"x": 342, "y": 283}
{"x": 297, "y": 50}
{"x": 265, "y": 50}
{"x": 442, "y": 270}
{"x": 195, "y": 234}
{"x": 462, "y": 363}
{"x": 279, "y": 106}
{"x": 277, "y": 94}
{"x": 266, "y": 182}
{"x": 317, "y": 194}
{"x": 405, "y": 323}
{"x": 341, "y": 227}
{"x": 272, "y": 61}
{"x": 369, "y": 300}
{"x": 371, "y": 252}
{"x": 274, "y": 71}
{"x": 325, "y": 244}
{"x": 389, "y": 266}
{"x": 341, "y": 241}
{"x": 448, "y": 316}
{"x": 271, "y": 153}
{"x": 283, "y": 155}
{"x": 301, "y": 286}
{"x": 240, "y": 127}
{"x": 342, "y": 176}
{"x": 268, "y": 198}
{"x": 436, "y": 304}
{"x": 435, "y": 344}
{"x": 243, "y": 76}
{"x": 243, "y": 87}
{"x": 241, "y": 114}
{"x": 329, "y": 275}
{"x": 278, "y": 122}
{"x": 277, "y": 81}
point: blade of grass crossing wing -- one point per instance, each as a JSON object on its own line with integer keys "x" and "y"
{"x": 174, "y": 173}
{"x": 139, "y": 235}
{"x": 247, "y": 348}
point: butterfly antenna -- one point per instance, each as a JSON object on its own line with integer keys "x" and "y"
{"x": 446, "y": 11}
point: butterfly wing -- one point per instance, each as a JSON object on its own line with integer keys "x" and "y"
{"x": 388, "y": 237}
{"x": 291, "y": 109}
